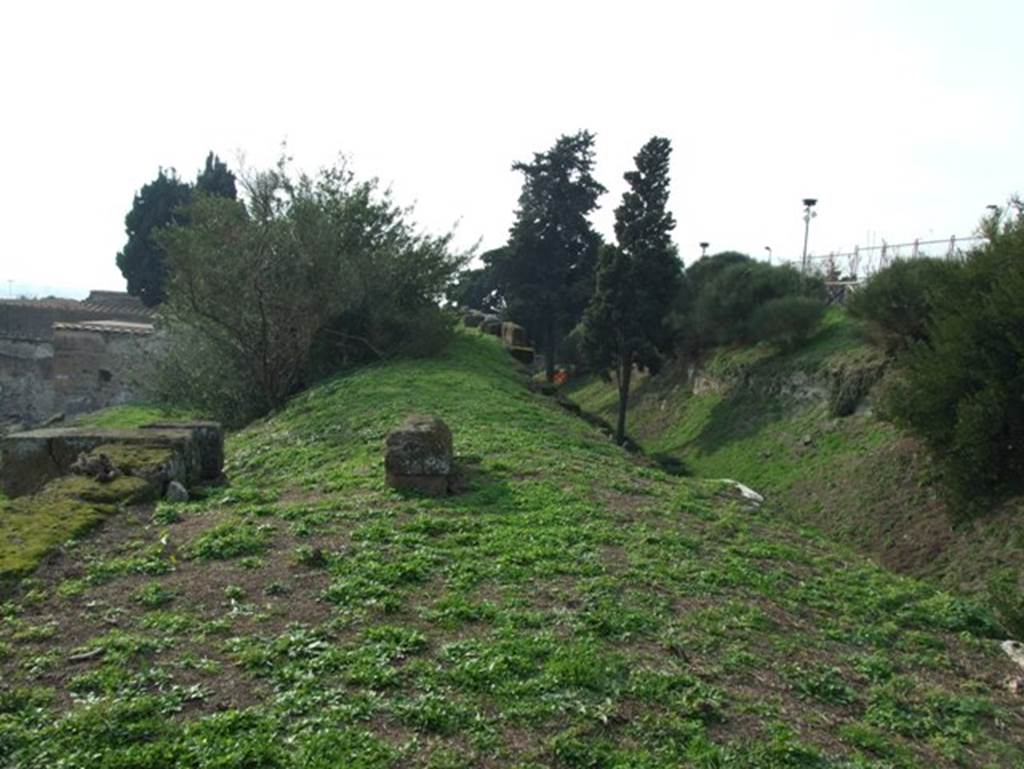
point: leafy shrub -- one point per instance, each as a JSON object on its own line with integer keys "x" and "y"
{"x": 723, "y": 304}
{"x": 306, "y": 274}
{"x": 898, "y": 300}
{"x": 230, "y": 540}
{"x": 787, "y": 321}
{"x": 962, "y": 391}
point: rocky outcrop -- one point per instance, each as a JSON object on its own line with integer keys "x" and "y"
{"x": 845, "y": 386}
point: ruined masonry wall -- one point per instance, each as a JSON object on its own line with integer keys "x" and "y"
{"x": 26, "y": 380}
{"x": 79, "y": 370}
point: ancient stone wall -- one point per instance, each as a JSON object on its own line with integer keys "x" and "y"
{"x": 26, "y": 381}
{"x": 61, "y": 355}
{"x": 97, "y": 365}
{"x": 86, "y": 366}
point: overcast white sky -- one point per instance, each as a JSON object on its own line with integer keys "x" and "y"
{"x": 903, "y": 118}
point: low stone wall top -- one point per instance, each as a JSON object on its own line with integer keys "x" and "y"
{"x": 30, "y": 459}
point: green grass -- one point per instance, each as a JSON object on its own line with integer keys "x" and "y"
{"x": 572, "y": 608}
{"x": 129, "y": 416}
{"x": 856, "y": 478}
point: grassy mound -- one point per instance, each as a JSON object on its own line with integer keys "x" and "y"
{"x": 571, "y": 608}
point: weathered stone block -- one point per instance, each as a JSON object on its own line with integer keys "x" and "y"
{"x": 491, "y": 324}
{"x": 28, "y": 460}
{"x": 209, "y": 439}
{"x": 522, "y": 354}
{"x": 514, "y": 335}
{"x": 472, "y": 319}
{"x": 418, "y": 455}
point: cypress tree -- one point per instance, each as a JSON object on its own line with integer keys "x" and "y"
{"x": 547, "y": 270}
{"x": 625, "y": 324}
{"x": 141, "y": 261}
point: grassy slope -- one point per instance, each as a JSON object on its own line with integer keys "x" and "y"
{"x": 570, "y": 608}
{"x": 857, "y": 479}
{"x": 127, "y": 416}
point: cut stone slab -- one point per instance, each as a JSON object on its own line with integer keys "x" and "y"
{"x": 176, "y": 492}
{"x": 473, "y": 319}
{"x": 29, "y": 459}
{"x": 522, "y": 354}
{"x": 209, "y": 438}
{"x": 1015, "y": 651}
{"x": 491, "y": 324}
{"x": 418, "y": 455}
{"x": 745, "y": 492}
{"x": 514, "y": 335}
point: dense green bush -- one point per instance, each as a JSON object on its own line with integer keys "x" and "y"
{"x": 305, "y": 275}
{"x": 898, "y": 300}
{"x": 723, "y": 303}
{"x": 787, "y": 321}
{"x": 962, "y": 389}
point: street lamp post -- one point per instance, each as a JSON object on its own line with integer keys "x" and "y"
{"x": 809, "y": 214}
{"x": 769, "y": 250}
{"x": 704, "y": 248}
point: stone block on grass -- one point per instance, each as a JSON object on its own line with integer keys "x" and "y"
{"x": 418, "y": 455}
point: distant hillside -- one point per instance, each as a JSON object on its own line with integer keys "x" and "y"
{"x": 572, "y": 608}
{"x": 764, "y": 418}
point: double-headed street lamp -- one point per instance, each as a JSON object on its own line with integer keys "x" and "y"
{"x": 809, "y": 214}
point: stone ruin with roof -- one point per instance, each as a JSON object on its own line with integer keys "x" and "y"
{"x": 67, "y": 356}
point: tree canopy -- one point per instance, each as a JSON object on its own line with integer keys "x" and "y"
{"x": 216, "y": 179}
{"x": 157, "y": 205}
{"x": 141, "y": 261}
{"x": 547, "y": 271}
{"x": 625, "y": 323}
{"x": 307, "y": 274}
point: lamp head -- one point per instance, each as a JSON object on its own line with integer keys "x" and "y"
{"x": 810, "y": 202}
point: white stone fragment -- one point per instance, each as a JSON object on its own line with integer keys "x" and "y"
{"x": 746, "y": 492}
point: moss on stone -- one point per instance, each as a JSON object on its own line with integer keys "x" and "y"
{"x": 136, "y": 459}
{"x": 34, "y": 525}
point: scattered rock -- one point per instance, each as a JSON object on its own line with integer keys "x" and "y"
{"x": 95, "y": 466}
{"x": 418, "y": 455}
{"x": 1015, "y": 685}
{"x": 514, "y": 335}
{"x": 747, "y": 493}
{"x": 54, "y": 419}
{"x": 473, "y": 318}
{"x": 523, "y": 354}
{"x": 491, "y": 324}
{"x": 176, "y": 492}
{"x": 1015, "y": 651}
{"x": 806, "y": 440}
{"x": 92, "y": 654}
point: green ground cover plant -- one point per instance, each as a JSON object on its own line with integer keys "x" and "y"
{"x": 800, "y": 427}
{"x": 573, "y": 607}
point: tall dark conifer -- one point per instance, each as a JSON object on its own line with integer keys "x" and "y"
{"x": 547, "y": 271}
{"x": 159, "y": 204}
{"x": 216, "y": 179}
{"x": 625, "y": 324}
{"x": 141, "y": 261}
